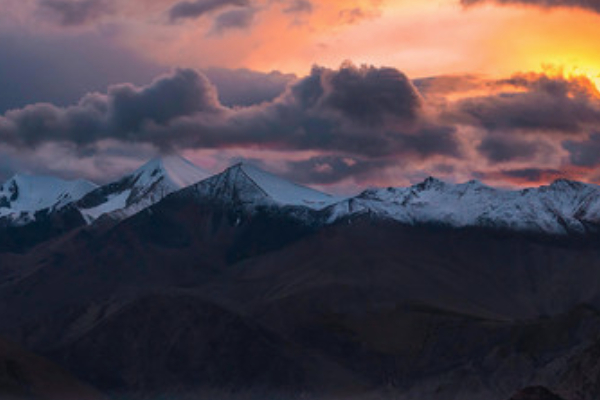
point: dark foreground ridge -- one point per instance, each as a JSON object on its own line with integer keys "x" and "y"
{"x": 535, "y": 393}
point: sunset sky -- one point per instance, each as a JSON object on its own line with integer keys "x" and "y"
{"x": 336, "y": 94}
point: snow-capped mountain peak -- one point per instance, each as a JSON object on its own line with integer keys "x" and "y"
{"x": 145, "y": 186}
{"x": 285, "y": 192}
{"x": 175, "y": 170}
{"x": 248, "y": 185}
{"x": 24, "y": 195}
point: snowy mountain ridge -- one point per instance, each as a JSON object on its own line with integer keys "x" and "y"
{"x": 24, "y": 195}
{"x": 559, "y": 208}
{"x": 563, "y": 207}
{"x": 145, "y": 186}
{"x": 249, "y": 186}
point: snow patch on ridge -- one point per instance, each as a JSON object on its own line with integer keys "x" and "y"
{"x": 560, "y": 208}
{"x": 24, "y": 195}
{"x": 144, "y": 187}
{"x": 248, "y": 186}
{"x": 288, "y": 193}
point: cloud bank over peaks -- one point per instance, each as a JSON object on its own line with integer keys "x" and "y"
{"x": 123, "y": 113}
{"x": 360, "y": 110}
{"x": 359, "y": 122}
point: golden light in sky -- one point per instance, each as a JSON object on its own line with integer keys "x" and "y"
{"x": 420, "y": 38}
{"x": 485, "y": 42}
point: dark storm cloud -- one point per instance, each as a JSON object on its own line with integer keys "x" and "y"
{"x": 71, "y": 13}
{"x": 331, "y": 169}
{"x": 182, "y": 111}
{"x": 184, "y": 93}
{"x": 536, "y": 102}
{"x": 123, "y": 113}
{"x": 233, "y": 19}
{"x": 367, "y": 95}
{"x": 361, "y": 110}
{"x": 243, "y": 87}
{"x": 198, "y": 8}
{"x": 584, "y": 153}
{"x": 318, "y": 112}
{"x": 431, "y": 141}
{"x": 592, "y": 5}
{"x": 299, "y": 6}
{"x": 500, "y": 148}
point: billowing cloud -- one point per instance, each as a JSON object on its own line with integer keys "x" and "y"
{"x": 318, "y": 113}
{"x": 351, "y": 124}
{"x": 534, "y": 102}
{"x": 76, "y": 12}
{"x": 585, "y": 153}
{"x": 299, "y": 6}
{"x": 243, "y": 87}
{"x": 198, "y": 8}
{"x": 122, "y": 113}
{"x": 233, "y": 19}
{"x": 366, "y": 95}
{"x": 504, "y": 148}
{"x": 182, "y": 110}
{"x": 591, "y": 5}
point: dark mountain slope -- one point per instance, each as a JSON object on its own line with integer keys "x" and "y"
{"x": 431, "y": 313}
{"x": 471, "y": 272}
{"x": 581, "y": 379}
{"x": 535, "y": 393}
{"x": 47, "y": 225}
{"x": 25, "y": 376}
{"x": 178, "y": 243}
{"x": 170, "y": 343}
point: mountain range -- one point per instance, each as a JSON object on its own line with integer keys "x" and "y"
{"x": 562, "y": 208}
{"x": 172, "y": 283}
